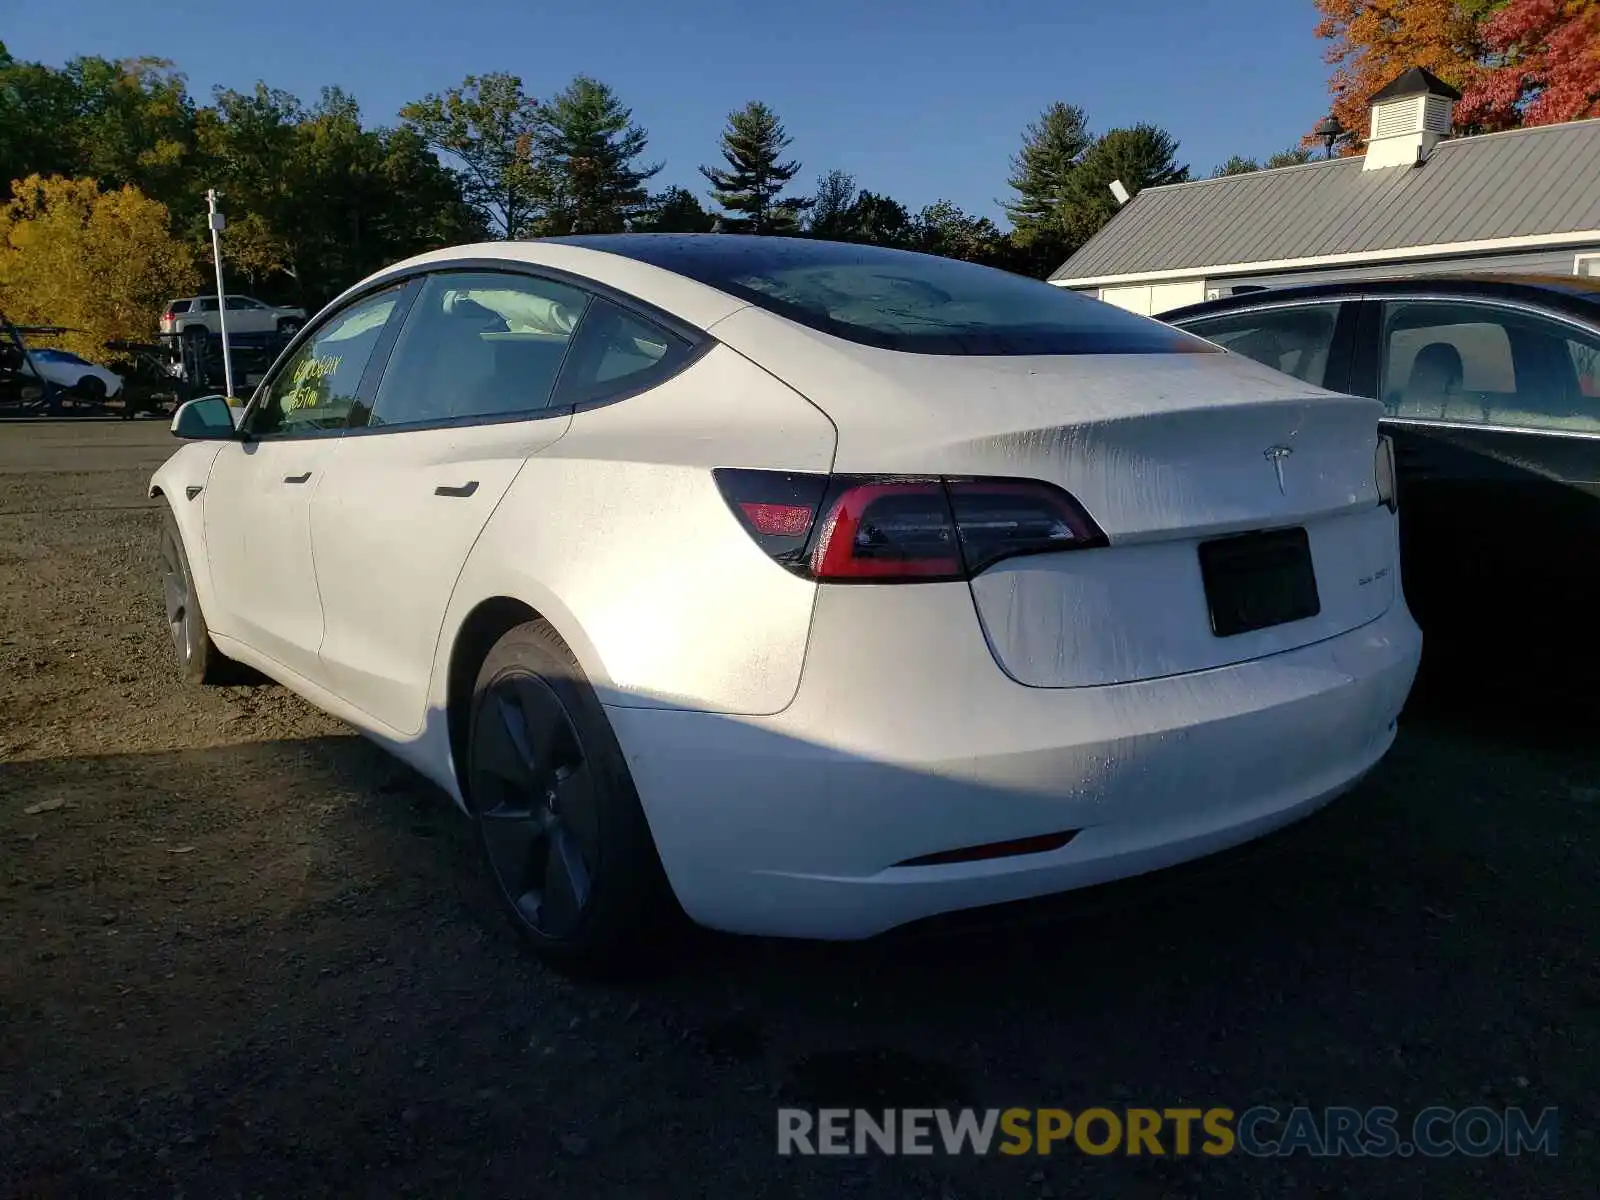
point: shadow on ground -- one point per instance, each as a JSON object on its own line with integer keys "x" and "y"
{"x": 276, "y": 968}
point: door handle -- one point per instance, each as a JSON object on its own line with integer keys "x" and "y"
{"x": 466, "y": 489}
{"x": 297, "y": 478}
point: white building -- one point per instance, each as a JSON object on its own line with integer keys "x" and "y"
{"x": 1525, "y": 201}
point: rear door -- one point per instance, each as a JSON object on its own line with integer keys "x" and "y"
{"x": 1495, "y": 413}
{"x": 469, "y": 394}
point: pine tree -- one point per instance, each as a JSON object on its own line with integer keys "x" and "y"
{"x": 750, "y": 188}
{"x": 589, "y": 147}
{"x": 1140, "y": 157}
{"x": 1041, "y": 173}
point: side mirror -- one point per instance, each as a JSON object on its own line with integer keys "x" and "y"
{"x": 206, "y": 419}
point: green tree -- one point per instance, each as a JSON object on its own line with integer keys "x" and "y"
{"x": 1237, "y": 165}
{"x": 750, "y": 187}
{"x": 1042, "y": 171}
{"x": 878, "y": 221}
{"x": 1240, "y": 165}
{"x": 134, "y": 125}
{"x": 126, "y": 122}
{"x": 944, "y": 229}
{"x": 1140, "y": 157}
{"x": 312, "y": 194}
{"x": 676, "y": 210}
{"x": 589, "y": 147}
{"x": 490, "y": 127}
{"x": 831, "y": 204}
{"x": 1292, "y": 157}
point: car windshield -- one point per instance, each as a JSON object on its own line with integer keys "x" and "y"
{"x": 898, "y": 300}
{"x": 61, "y": 356}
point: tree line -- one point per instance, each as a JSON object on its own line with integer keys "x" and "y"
{"x": 108, "y": 164}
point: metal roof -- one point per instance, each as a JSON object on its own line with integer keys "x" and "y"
{"x": 1526, "y": 182}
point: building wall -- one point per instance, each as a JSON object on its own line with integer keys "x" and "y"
{"x": 1148, "y": 299}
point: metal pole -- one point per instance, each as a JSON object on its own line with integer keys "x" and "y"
{"x": 222, "y": 299}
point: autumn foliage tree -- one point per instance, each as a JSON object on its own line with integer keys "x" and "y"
{"x": 1543, "y": 65}
{"x": 1373, "y": 41}
{"x": 102, "y": 263}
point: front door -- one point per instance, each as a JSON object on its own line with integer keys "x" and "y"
{"x": 1495, "y": 412}
{"x": 258, "y": 497}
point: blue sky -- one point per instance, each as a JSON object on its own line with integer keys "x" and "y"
{"x": 920, "y": 100}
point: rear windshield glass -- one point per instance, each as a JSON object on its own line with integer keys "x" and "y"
{"x": 902, "y": 301}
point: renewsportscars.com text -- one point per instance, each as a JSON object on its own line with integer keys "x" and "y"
{"x": 1260, "y": 1131}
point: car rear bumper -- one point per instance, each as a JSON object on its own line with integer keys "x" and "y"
{"x": 907, "y": 743}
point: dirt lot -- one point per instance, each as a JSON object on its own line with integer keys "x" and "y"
{"x": 243, "y": 953}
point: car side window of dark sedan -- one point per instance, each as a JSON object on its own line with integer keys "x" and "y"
{"x": 1485, "y": 364}
{"x": 1294, "y": 340}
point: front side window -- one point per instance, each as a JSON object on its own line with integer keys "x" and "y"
{"x": 316, "y": 389}
{"x": 1296, "y": 341}
{"x": 897, "y": 300}
{"x": 1483, "y": 364}
{"x": 477, "y": 345}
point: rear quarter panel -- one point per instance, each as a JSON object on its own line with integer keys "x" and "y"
{"x": 618, "y": 535}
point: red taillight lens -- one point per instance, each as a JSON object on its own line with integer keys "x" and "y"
{"x": 877, "y": 529}
{"x": 776, "y": 508}
{"x": 888, "y": 530}
{"x": 778, "y": 520}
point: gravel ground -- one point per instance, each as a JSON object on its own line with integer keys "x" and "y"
{"x": 244, "y": 953}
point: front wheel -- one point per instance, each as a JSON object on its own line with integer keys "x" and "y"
{"x": 199, "y": 660}
{"x": 558, "y": 818}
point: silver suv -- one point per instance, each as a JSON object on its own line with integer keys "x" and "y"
{"x": 245, "y": 315}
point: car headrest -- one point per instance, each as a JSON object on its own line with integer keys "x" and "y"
{"x": 1437, "y": 368}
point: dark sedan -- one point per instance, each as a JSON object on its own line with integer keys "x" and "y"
{"x": 1492, "y": 391}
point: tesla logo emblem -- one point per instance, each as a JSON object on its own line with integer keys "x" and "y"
{"x": 1275, "y": 455}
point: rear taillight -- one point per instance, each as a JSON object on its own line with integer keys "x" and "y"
{"x": 777, "y": 508}
{"x": 895, "y": 529}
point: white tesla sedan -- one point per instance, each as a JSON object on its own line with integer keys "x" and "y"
{"x": 820, "y": 587}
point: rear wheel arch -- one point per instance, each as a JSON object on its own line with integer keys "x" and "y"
{"x": 486, "y": 624}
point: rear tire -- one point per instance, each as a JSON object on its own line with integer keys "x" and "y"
{"x": 559, "y": 821}
{"x": 199, "y": 660}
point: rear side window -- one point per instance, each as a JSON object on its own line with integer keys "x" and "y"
{"x": 897, "y": 300}
{"x": 1296, "y": 341}
{"x": 617, "y": 353}
{"x": 178, "y": 306}
{"x": 478, "y": 346}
